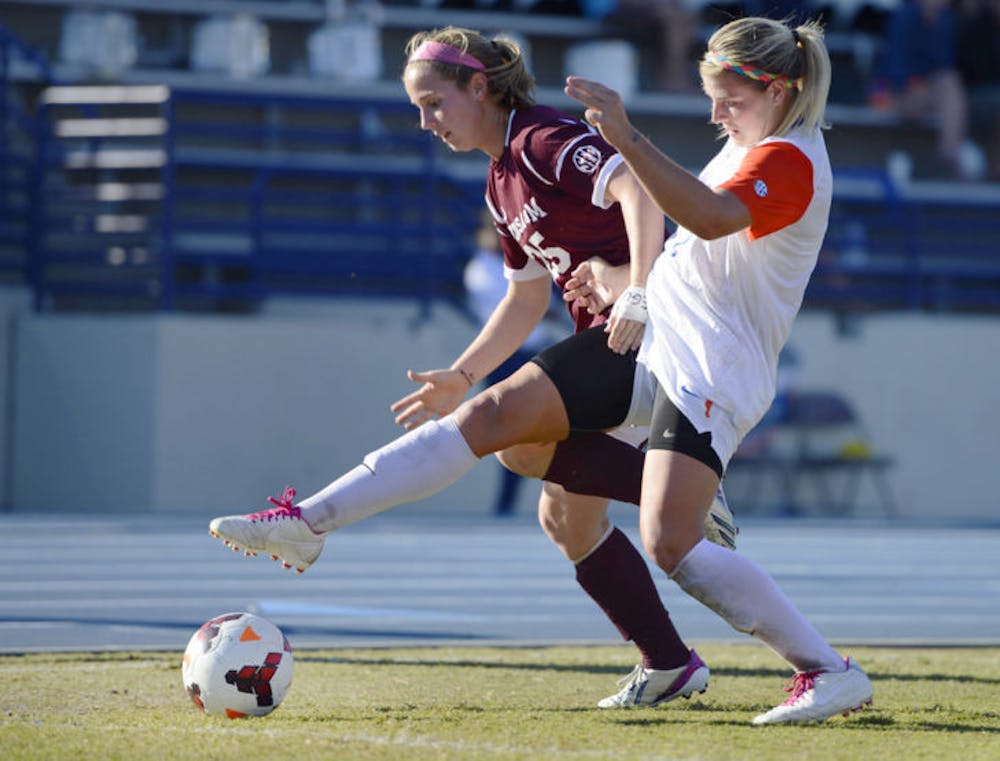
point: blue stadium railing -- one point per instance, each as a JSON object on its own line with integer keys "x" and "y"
{"x": 367, "y": 209}
{"x": 244, "y": 198}
{"x": 217, "y": 200}
{"x": 919, "y": 247}
{"x": 17, "y": 139}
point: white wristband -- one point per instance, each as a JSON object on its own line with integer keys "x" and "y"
{"x": 631, "y": 305}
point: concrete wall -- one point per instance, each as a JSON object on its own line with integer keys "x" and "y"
{"x": 163, "y": 413}
{"x": 13, "y": 301}
{"x": 83, "y": 427}
{"x": 927, "y": 389}
{"x": 213, "y": 413}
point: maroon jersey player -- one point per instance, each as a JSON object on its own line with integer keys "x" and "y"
{"x": 553, "y": 169}
{"x": 559, "y": 195}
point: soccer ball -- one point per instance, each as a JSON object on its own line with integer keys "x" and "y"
{"x": 237, "y": 665}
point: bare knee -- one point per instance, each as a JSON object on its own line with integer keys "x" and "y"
{"x": 522, "y": 409}
{"x": 668, "y": 548}
{"x": 677, "y": 491}
{"x": 529, "y": 460}
{"x": 573, "y": 522}
{"x": 478, "y": 418}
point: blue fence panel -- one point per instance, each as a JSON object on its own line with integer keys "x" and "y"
{"x": 355, "y": 204}
{"x": 250, "y": 199}
{"x": 228, "y": 198}
{"x": 17, "y": 139}
{"x": 920, "y": 247}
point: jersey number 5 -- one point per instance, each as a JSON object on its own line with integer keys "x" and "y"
{"x": 556, "y": 259}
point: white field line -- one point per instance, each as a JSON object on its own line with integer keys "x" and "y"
{"x": 14, "y": 669}
{"x": 244, "y": 727}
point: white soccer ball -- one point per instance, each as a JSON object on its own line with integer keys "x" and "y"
{"x": 237, "y": 665}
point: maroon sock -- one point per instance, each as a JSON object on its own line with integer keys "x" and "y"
{"x": 618, "y": 579}
{"x": 597, "y": 464}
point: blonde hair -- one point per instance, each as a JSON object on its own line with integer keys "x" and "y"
{"x": 508, "y": 80}
{"x": 796, "y": 55}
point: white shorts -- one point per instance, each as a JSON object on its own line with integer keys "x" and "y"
{"x": 704, "y": 417}
{"x": 636, "y": 435}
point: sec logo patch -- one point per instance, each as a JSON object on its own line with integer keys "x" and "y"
{"x": 760, "y": 188}
{"x": 587, "y": 158}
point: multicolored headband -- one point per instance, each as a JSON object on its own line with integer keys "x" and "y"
{"x": 445, "y": 53}
{"x": 753, "y": 73}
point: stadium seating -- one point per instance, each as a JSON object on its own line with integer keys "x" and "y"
{"x": 160, "y": 198}
{"x": 812, "y": 456}
{"x": 224, "y": 188}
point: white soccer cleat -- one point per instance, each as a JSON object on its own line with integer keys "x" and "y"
{"x": 281, "y": 532}
{"x": 720, "y": 526}
{"x": 818, "y": 695}
{"x": 650, "y": 687}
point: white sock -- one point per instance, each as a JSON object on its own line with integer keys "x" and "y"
{"x": 746, "y": 596}
{"x": 418, "y": 464}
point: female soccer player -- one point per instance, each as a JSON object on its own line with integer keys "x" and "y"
{"x": 558, "y": 195}
{"x": 722, "y": 298}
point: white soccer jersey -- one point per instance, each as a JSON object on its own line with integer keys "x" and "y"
{"x": 720, "y": 310}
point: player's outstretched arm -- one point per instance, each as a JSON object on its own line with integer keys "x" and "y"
{"x": 517, "y": 314}
{"x": 708, "y": 213}
{"x": 644, "y": 224}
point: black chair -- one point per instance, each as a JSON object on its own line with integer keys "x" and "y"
{"x": 817, "y": 441}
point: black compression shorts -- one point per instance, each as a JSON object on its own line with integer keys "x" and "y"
{"x": 670, "y": 429}
{"x": 596, "y": 387}
{"x": 594, "y": 382}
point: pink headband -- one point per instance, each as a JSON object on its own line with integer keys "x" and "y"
{"x": 440, "y": 51}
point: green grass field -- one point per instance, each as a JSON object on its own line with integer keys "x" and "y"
{"x": 494, "y": 703}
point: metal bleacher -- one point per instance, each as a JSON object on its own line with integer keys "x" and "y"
{"x": 928, "y": 246}
{"x": 153, "y": 197}
{"x": 17, "y": 134}
{"x": 182, "y": 192}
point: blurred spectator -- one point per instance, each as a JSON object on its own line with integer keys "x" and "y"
{"x": 716, "y": 14}
{"x": 919, "y": 76}
{"x": 978, "y": 56}
{"x": 485, "y": 285}
{"x": 665, "y": 31}
{"x": 548, "y": 7}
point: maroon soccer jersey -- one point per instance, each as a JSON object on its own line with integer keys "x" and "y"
{"x": 546, "y": 193}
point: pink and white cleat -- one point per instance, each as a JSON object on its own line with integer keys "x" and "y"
{"x": 650, "y": 687}
{"x": 281, "y": 532}
{"x": 818, "y": 695}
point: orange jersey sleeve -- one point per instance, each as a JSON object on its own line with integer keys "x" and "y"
{"x": 775, "y": 182}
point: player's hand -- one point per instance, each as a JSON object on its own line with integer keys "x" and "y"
{"x": 628, "y": 321}
{"x": 442, "y": 391}
{"x": 591, "y": 283}
{"x": 604, "y": 109}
